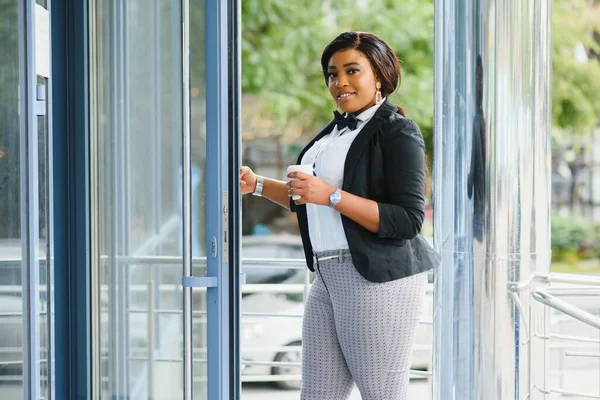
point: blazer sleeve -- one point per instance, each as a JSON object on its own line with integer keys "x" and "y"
{"x": 401, "y": 215}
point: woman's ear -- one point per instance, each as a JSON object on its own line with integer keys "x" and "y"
{"x": 378, "y": 81}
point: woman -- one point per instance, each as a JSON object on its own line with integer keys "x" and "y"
{"x": 359, "y": 215}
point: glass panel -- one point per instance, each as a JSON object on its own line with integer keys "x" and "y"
{"x": 44, "y": 242}
{"x": 11, "y": 305}
{"x": 198, "y": 133}
{"x": 136, "y": 77}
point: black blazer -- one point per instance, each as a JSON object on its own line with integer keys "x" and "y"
{"x": 385, "y": 163}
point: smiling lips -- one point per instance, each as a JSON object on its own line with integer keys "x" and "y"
{"x": 341, "y": 96}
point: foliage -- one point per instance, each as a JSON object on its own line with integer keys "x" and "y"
{"x": 575, "y": 81}
{"x": 283, "y": 40}
{"x": 570, "y": 235}
{"x": 281, "y": 47}
{"x": 596, "y": 242}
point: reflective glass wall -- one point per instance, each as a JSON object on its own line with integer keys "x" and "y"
{"x": 11, "y": 305}
{"x": 44, "y": 195}
{"x": 136, "y": 164}
{"x": 25, "y": 202}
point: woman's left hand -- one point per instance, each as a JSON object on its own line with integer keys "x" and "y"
{"x": 310, "y": 189}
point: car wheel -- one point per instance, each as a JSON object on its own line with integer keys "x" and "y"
{"x": 289, "y": 356}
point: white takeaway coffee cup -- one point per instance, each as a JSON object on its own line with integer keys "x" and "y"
{"x": 306, "y": 168}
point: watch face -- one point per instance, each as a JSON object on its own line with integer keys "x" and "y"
{"x": 335, "y": 197}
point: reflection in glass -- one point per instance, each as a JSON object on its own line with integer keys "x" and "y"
{"x": 198, "y": 133}
{"x": 11, "y": 305}
{"x": 43, "y": 219}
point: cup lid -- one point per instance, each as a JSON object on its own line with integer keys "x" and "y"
{"x": 301, "y": 168}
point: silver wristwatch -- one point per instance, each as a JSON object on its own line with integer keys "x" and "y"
{"x": 335, "y": 198}
{"x": 260, "y": 181}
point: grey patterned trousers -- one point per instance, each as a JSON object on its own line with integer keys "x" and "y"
{"x": 357, "y": 331}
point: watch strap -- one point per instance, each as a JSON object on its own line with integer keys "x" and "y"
{"x": 260, "y": 181}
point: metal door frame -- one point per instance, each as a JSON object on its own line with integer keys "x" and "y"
{"x": 222, "y": 279}
{"x": 69, "y": 116}
{"x": 35, "y": 101}
{"x": 29, "y": 200}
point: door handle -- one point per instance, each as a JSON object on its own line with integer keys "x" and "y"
{"x": 206, "y": 281}
{"x": 199, "y": 281}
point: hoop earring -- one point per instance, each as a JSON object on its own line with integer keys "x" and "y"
{"x": 378, "y": 96}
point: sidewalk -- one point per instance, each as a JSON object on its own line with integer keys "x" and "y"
{"x": 418, "y": 389}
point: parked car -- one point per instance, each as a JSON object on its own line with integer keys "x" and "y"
{"x": 264, "y": 338}
{"x": 276, "y": 337}
{"x": 273, "y": 247}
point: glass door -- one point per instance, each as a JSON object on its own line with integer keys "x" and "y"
{"x": 44, "y": 264}
{"x": 164, "y": 281}
{"x": 26, "y": 304}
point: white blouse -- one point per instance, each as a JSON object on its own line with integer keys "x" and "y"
{"x": 328, "y": 155}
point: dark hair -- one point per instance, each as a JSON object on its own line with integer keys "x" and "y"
{"x": 383, "y": 59}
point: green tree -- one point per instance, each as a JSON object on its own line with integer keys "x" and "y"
{"x": 283, "y": 41}
{"x": 575, "y": 65}
{"x": 281, "y": 47}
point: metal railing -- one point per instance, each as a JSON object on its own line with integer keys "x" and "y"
{"x": 276, "y": 288}
{"x": 564, "y": 307}
{"x": 583, "y": 285}
{"x": 580, "y": 286}
{"x": 200, "y": 316}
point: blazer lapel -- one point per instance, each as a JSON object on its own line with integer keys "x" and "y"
{"x": 365, "y": 136}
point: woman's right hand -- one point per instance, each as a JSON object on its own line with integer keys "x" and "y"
{"x": 247, "y": 180}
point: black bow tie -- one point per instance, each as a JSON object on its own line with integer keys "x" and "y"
{"x": 342, "y": 122}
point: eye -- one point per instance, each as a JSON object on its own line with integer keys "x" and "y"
{"x": 331, "y": 75}
{"x": 353, "y": 71}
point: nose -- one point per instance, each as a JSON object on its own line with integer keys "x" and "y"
{"x": 342, "y": 80}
